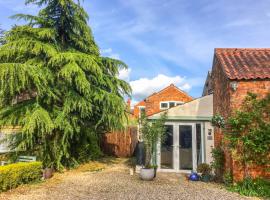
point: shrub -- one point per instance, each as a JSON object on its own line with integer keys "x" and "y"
{"x": 204, "y": 168}
{"x": 218, "y": 121}
{"x": 218, "y": 162}
{"x": 252, "y": 187}
{"x": 228, "y": 178}
{"x": 16, "y": 174}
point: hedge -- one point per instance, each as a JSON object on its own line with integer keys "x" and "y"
{"x": 16, "y": 174}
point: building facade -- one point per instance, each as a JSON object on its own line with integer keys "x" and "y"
{"x": 167, "y": 98}
{"x": 189, "y": 137}
{"x": 236, "y": 72}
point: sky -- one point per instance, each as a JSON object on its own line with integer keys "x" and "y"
{"x": 167, "y": 41}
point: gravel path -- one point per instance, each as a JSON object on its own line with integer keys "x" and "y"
{"x": 115, "y": 183}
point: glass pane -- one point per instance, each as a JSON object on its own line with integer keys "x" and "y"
{"x": 166, "y": 160}
{"x": 164, "y": 105}
{"x": 199, "y": 143}
{"x": 172, "y": 104}
{"x": 185, "y": 149}
{"x": 142, "y": 110}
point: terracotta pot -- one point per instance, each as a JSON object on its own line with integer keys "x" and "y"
{"x": 147, "y": 174}
{"x": 48, "y": 173}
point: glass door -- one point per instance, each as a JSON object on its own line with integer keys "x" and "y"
{"x": 185, "y": 147}
{"x": 166, "y": 160}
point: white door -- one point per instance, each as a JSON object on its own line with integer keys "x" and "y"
{"x": 178, "y": 150}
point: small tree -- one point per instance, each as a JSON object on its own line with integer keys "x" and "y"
{"x": 152, "y": 133}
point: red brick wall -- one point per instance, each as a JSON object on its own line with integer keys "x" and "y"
{"x": 120, "y": 143}
{"x": 170, "y": 93}
{"x": 226, "y": 101}
{"x": 221, "y": 103}
{"x": 261, "y": 88}
{"x": 136, "y": 110}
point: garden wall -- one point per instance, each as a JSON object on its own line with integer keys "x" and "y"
{"x": 120, "y": 143}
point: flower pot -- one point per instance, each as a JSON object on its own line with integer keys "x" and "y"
{"x": 155, "y": 168}
{"x": 206, "y": 178}
{"x": 48, "y": 173}
{"x": 147, "y": 174}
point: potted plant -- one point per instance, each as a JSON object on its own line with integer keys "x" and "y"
{"x": 205, "y": 170}
{"x": 152, "y": 132}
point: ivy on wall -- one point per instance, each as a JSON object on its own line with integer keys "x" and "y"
{"x": 248, "y": 131}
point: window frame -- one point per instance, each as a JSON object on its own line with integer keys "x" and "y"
{"x": 139, "y": 107}
{"x": 168, "y": 104}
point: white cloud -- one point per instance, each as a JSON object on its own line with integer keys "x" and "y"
{"x": 144, "y": 87}
{"x": 124, "y": 74}
{"x": 109, "y": 53}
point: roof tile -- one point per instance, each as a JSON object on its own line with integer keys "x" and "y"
{"x": 253, "y": 63}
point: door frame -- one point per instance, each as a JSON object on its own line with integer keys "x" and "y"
{"x": 176, "y": 160}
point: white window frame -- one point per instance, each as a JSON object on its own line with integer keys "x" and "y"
{"x": 139, "y": 107}
{"x": 168, "y": 104}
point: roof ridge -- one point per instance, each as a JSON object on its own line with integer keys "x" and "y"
{"x": 171, "y": 85}
{"x": 241, "y": 49}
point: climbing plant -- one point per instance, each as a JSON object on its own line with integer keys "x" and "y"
{"x": 57, "y": 87}
{"x": 248, "y": 131}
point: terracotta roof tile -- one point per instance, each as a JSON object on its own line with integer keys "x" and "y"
{"x": 244, "y": 63}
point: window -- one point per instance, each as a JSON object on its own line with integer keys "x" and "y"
{"x": 141, "y": 110}
{"x": 179, "y": 103}
{"x": 169, "y": 104}
{"x": 163, "y": 105}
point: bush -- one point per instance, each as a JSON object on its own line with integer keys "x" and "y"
{"x": 218, "y": 162}
{"x": 204, "y": 168}
{"x": 228, "y": 178}
{"x": 252, "y": 187}
{"x": 16, "y": 174}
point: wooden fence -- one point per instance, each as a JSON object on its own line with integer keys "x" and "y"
{"x": 120, "y": 143}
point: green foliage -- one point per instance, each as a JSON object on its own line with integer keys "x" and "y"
{"x": 152, "y": 132}
{"x": 204, "y": 168}
{"x": 218, "y": 162}
{"x": 57, "y": 87}
{"x": 218, "y": 158}
{"x": 16, "y": 174}
{"x": 2, "y": 41}
{"x": 218, "y": 121}
{"x": 228, "y": 178}
{"x": 252, "y": 187}
{"x": 249, "y": 130}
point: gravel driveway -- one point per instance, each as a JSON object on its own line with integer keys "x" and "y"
{"x": 114, "y": 182}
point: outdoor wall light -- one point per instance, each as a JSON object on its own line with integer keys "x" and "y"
{"x": 234, "y": 85}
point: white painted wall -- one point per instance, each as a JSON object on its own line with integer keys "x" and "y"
{"x": 209, "y": 142}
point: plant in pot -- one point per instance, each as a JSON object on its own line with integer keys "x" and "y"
{"x": 205, "y": 170}
{"x": 152, "y": 133}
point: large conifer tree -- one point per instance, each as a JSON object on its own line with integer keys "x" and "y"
{"x": 56, "y": 86}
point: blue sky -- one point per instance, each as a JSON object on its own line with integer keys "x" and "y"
{"x": 167, "y": 41}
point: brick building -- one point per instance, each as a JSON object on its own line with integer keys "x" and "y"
{"x": 235, "y": 72}
{"x": 167, "y": 98}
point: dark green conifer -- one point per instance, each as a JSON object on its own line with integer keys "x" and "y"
{"x": 55, "y": 85}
